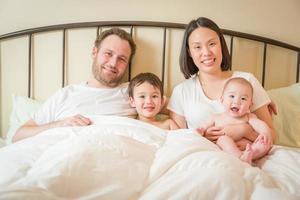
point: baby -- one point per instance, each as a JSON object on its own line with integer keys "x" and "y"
{"x": 146, "y": 95}
{"x": 237, "y": 100}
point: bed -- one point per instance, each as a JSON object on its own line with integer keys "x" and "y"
{"x": 122, "y": 158}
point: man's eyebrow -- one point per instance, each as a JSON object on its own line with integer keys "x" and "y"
{"x": 107, "y": 50}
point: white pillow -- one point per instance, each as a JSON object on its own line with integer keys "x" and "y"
{"x": 287, "y": 122}
{"x": 23, "y": 108}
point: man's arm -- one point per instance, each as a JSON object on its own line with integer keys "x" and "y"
{"x": 30, "y": 128}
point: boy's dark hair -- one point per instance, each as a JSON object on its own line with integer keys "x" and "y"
{"x": 121, "y": 34}
{"x": 145, "y": 77}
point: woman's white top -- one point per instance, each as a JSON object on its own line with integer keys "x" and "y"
{"x": 189, "y": 100}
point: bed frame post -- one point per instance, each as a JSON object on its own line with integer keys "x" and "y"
{"x": 164, "y": 57}
{"x": 264, "y": 65}
{"x": 64, "y": 78}
{"x": 129, "y": 64}
{"x": 298, "y": 67}
{"x": 1, "y": 116}
{"x": 231, "y": 52}
{"x": 99, "y": 30}
{"x": 30, "y": 92}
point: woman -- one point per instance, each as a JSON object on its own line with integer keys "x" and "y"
{"x": 205, "y": 63}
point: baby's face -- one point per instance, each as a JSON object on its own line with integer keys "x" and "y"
{"x": 147, "y": 100}
{"x": 237, "y": 99}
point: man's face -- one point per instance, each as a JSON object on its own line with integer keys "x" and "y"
{"x": 110, "y": 61}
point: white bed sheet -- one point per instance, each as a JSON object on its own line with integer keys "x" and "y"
{"x": 122, "y": 158}
{"x": 2, "y": 142}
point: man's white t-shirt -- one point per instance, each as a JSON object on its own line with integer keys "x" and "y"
{"x": 85, "y": 100}
{"x": 189, "y": 100}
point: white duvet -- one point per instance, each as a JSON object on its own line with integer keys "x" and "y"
{"x": 121, "y": 158}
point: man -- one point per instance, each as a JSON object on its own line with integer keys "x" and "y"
{"x": 103, "y": 94}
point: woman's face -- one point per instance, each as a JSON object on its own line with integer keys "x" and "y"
{"x": 205, "y": 49}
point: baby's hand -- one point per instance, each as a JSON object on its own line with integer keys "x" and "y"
{"x": 265, "y": 138}
{"x": 261, "y": 137}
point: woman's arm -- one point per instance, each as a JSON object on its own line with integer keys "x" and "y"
{"x": 263, "y": 114}
{"x": 173, "y": 125}
{"x": 259, "y": 126}
{"x": 260, "y": 97}
{"x": 179, "y": 120}
{"x": 163, "y": 109}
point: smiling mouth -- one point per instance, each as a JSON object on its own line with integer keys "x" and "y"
{"x": 109, "y": 70}
{"x": 209, "y": 61}
{"x": 234, "y": 109}
{"x": 149, "y": 109}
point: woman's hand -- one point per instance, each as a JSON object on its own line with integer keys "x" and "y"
{"x": 212, "y": 133}
{"x": 272, "y": 108}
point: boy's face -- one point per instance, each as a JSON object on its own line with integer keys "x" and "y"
{"x": 146, "y": 99}
{"x": 237, "y": 99}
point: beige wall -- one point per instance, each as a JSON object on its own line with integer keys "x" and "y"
{"x": 278, "y": 19}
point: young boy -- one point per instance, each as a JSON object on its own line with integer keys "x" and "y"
{"x": 237, "y": 100}
{"x": 146, "y": 95}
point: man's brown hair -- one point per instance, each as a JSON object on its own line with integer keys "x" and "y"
{"x": 120, "y": 33}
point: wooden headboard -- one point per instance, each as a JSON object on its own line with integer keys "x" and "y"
{"x": 38, "y": 61}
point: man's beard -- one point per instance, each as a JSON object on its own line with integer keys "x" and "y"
{"x": 106, "y": 80}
